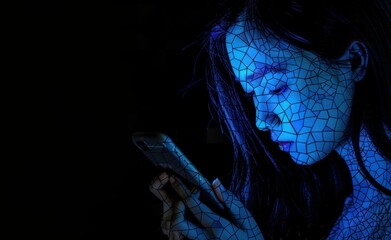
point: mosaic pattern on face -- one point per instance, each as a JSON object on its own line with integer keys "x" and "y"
{"x": 302, "y": 99}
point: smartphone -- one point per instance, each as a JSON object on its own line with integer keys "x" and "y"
{"x": 164, "y": 153}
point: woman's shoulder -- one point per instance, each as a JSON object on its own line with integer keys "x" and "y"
{"x": 370, "y": 219}
{"x": 378, "y": 218}
{"x": 367, "y": 213}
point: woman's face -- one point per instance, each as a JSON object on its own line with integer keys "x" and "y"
{"x": 303, "y": 100}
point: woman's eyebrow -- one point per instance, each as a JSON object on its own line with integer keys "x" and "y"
{"x": 258, "y": 72}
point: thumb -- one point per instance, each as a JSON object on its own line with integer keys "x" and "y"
{"x": 219, "y": 190}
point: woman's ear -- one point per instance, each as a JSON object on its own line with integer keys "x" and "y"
{"x": 358, "y": 57}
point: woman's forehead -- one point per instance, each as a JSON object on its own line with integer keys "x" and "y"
{"x": 248, "y": 45}
{"x": 245, "y": 38}
{"x": 246, "y": 34}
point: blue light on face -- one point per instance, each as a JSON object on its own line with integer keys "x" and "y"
{"x": 301, "y": 99}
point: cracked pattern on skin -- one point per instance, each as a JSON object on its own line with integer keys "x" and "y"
{"x": 305, "y": 102}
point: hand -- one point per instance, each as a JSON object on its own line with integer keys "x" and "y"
{"x": 239, "y": 224}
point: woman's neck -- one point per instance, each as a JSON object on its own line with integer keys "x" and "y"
{"x": 380, "y": 169}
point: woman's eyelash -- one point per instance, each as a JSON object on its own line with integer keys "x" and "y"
{"x": 279, "y": 90}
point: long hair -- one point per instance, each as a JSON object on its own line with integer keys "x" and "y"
{"x": 289, "y": 200}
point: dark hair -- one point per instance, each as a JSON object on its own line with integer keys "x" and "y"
{"x": 286, "y": 199}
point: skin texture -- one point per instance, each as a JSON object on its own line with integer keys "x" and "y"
{"x": 237, "y": 224}
{"x": 367, "y": 211}
{"x": 305, "y": 102}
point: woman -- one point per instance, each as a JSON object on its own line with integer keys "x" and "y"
{"x": 303, "y": 91}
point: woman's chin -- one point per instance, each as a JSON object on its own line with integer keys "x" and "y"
{"x": 305, "y": 158}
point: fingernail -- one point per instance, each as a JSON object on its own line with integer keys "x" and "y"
{"x": 216, "y": 183}
{"x": 163, "y": 176}
{"x": 217, "y": 189}
{"x": 172, "y": 179}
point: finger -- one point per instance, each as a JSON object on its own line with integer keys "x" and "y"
{"x": 165, "y": 223}
{"x": 206, "y": 217}
{"x": 182, "y": 190}
{"x": 189, "y": 233}
{"x": 239, "y": 213}
{"x": 156, "y": 187}
{"x": 177, "y": 218}
{"x": 181, "y": 228}
{"x": 159, "y": 182}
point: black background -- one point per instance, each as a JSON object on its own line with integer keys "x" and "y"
{"x": 87, "y": 77}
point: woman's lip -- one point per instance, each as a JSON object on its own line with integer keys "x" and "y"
{"x": 284, "y": 146}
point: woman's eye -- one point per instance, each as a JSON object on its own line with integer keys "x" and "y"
{"x": 279, "y": 90}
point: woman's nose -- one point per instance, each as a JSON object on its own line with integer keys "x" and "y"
{"x": 267, "y": 121}
{"x": 266, "y": 117}
{"x": 262, "y": 126}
